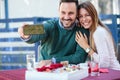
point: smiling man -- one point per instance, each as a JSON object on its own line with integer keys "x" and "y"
{"x": 58, "y": 41}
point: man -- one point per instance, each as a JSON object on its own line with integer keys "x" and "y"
{"x": 59, "y": 38}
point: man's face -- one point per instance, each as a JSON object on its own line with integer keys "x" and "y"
{"x": 67, "y": 14}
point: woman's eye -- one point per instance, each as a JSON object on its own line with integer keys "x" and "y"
{"x": 80, "y": 16}
{"x": 87, "y": 15}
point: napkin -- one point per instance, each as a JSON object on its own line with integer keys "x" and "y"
{"x": 51, "y": 67}
{"x": 103, "y": 70}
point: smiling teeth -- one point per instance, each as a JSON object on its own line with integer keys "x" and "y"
{"x": 86, "y": 23}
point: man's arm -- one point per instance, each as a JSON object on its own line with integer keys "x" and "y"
{"x": 79, "y": 56}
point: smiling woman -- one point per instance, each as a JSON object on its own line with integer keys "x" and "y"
{"x": 100, "y": 41}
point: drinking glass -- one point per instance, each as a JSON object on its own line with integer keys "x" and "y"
{"x": 94, "y": 66}
{"x": 30, "y": 61}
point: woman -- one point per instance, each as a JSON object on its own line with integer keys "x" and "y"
{"x": 100, "y": 40}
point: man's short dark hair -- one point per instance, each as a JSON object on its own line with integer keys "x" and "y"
{"x": 75, "y": 1}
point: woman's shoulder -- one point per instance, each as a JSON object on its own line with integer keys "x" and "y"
{"x": 100, "y": 30}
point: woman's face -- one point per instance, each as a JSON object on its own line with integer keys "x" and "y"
{"x": 84, "y": 18}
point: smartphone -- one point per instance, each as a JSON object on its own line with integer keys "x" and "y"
{"x": 33, "y": 29}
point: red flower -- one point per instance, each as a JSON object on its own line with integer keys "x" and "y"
{"x": 51, "y": 67}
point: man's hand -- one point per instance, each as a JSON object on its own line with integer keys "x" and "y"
{"x": 21, "y": 33}
{"x": 44, "y": 63}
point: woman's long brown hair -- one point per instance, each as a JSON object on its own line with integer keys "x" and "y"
{"x": 96, "y": 22}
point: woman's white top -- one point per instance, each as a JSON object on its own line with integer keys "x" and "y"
{"x": 105, "y": 49}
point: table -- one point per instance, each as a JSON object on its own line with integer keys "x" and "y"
{"x": 19, "y": 74}
{"x": 111, "y": 75}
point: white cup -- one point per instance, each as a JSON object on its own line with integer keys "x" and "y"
{"x": 30, "y": 58}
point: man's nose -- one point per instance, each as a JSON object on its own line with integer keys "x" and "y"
{"x": 66, "y": 16}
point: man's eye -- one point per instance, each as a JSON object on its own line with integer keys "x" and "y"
{"x": 63, "y": 12}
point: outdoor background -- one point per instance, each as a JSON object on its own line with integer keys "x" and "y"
{"x": 15, "y": 13}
